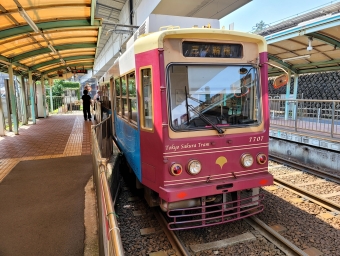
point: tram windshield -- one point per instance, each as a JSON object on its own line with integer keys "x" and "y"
{"x": 213, "y": 97}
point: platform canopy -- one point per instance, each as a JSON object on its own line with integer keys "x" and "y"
{"x": 308, "y": 43}
{"x": 48, "y": 37}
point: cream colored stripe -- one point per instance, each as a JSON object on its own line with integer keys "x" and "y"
{"x": 213, "y": 152}
{"x": 214, "y": 177}
{"x": 210, "y": 149}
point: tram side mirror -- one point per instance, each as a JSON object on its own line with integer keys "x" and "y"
{"x": 243, "y": 71}
{"x": 280, "y": 81}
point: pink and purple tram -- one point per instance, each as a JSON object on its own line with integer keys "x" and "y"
{"x": 190, "y": 110}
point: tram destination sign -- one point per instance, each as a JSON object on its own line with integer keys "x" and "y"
{"x": 78, "y": 71}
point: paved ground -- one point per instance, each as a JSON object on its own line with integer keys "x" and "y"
{"x": 42, "y": 207}
{"x": 58, "y": 136}
{"x": 53, "y": 137}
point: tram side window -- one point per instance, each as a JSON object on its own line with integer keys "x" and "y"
{"x": 132, "y": 98}
{"x": 124, "y": 97}
{"x": 118, "y": 96}
{"x": 146, "y": 92}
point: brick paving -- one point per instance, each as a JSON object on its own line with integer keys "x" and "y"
{"x": 53, "y": 137}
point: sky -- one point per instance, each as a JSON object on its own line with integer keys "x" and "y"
{"x": 270, "y": 11}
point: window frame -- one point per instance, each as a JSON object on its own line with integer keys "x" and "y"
{"x": 129, "y": 112}
{"x": 125, "y": 115}
{"x": 141, "y": 97}
{"x": 118, "y": 97}
{"x": 257, "y": 97}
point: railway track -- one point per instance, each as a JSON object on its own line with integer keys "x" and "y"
{"x": 306, "y": 168}
{"x": 177, "y": 245}
{"x": 304, "y": 193}
{"x": 144, "y": 230}
{"x": 270, "y": 234}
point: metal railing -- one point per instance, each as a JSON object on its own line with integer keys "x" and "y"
{"x": 62, "y": 104}
{"x": 109, "y": 235}
{"x": 97, "y": 111}
{"x": 319, "y": 116}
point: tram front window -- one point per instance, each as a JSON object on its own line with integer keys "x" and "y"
{"x": 213, "y": 96}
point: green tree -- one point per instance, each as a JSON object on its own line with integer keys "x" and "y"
{"x": 60, "y": 85}
{"x": 259, "y": 27}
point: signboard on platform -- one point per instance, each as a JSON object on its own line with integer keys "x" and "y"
{"x": 82, "y": 71}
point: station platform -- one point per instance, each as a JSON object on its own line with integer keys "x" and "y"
{"x": 47, "y": 203}
{"x": 319, "y": 137}
{"x": 318, "y": 148}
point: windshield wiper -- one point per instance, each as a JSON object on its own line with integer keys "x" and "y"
{"x": 205, "y": 119}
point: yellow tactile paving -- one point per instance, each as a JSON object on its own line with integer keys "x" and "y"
{"x": 54, "y": 137}
{"x": 75, "y": 141}
{"x": 6, "y": 166}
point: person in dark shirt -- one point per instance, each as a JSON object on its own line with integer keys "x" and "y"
{"x": 86, "y": 105}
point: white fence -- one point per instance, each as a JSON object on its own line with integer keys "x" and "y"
{"x": 319, "y": 116}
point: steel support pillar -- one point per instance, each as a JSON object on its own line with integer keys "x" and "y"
{"x": 30, "y": 82}
{"x": 22, "y": 95}
{"x": 8, "y": 105}
{"x": 41, "y": 98}
{"x": 50, "y": 82}
{"x": 13, "y": 100}
{"x": 287, "y": 95}
{"x": 296, "y": 84}
{"x": 2, "y": 120}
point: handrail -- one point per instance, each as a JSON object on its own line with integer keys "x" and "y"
{"x": 321, "y": 116}
{"x": 109, "y": 234}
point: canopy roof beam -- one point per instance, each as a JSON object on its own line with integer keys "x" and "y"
{"x": 17, "y": 31}
{"x": 47, "y": 50}
{"x": 65, "y": 59}
{"x": 312, "y": 27}
{"x": 279, "y": 61}
{"x": 325, "y": 39}
{"x": 83, "y": 64}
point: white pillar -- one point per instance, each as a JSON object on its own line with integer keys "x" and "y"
{"x": 296, "y": 84}
{"x": 41, "y": 98}
{"x": 287, "y": 95}
{"x": 2, "y": 120}
{"x": 22, "y": 96}
{"x": 50, "y": 82}
{"x": 30, "y": 82}
{"x": 13, "y": 99}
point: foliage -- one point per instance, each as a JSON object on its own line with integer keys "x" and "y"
{"x": 60, "y": 85}
{"x": 259, "y": 27}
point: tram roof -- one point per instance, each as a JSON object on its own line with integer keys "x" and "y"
{"x": 288, "y": 42}
{"x": 155, "y": 40}
{"x": 47, "y": 36}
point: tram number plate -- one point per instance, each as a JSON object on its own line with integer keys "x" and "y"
{"x": 256, "y": 139}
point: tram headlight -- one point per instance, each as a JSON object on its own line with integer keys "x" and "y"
{"x": 176, "y": 169}
{"x": 261, "y": 158}
{"x": 247, "y": 160}
{"x": 194, "y": 167}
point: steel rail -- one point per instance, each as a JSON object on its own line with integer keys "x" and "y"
{"x": 311, "y": 170}
{"x": 176, "y": 244}
{"x": 328, "y": 204}
{"x": 324, "y": 202}
{"x": 278, "y": 240}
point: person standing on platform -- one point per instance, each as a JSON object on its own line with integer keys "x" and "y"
{"x": 88, "y": 88}
{"x": 86, "y": 105}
